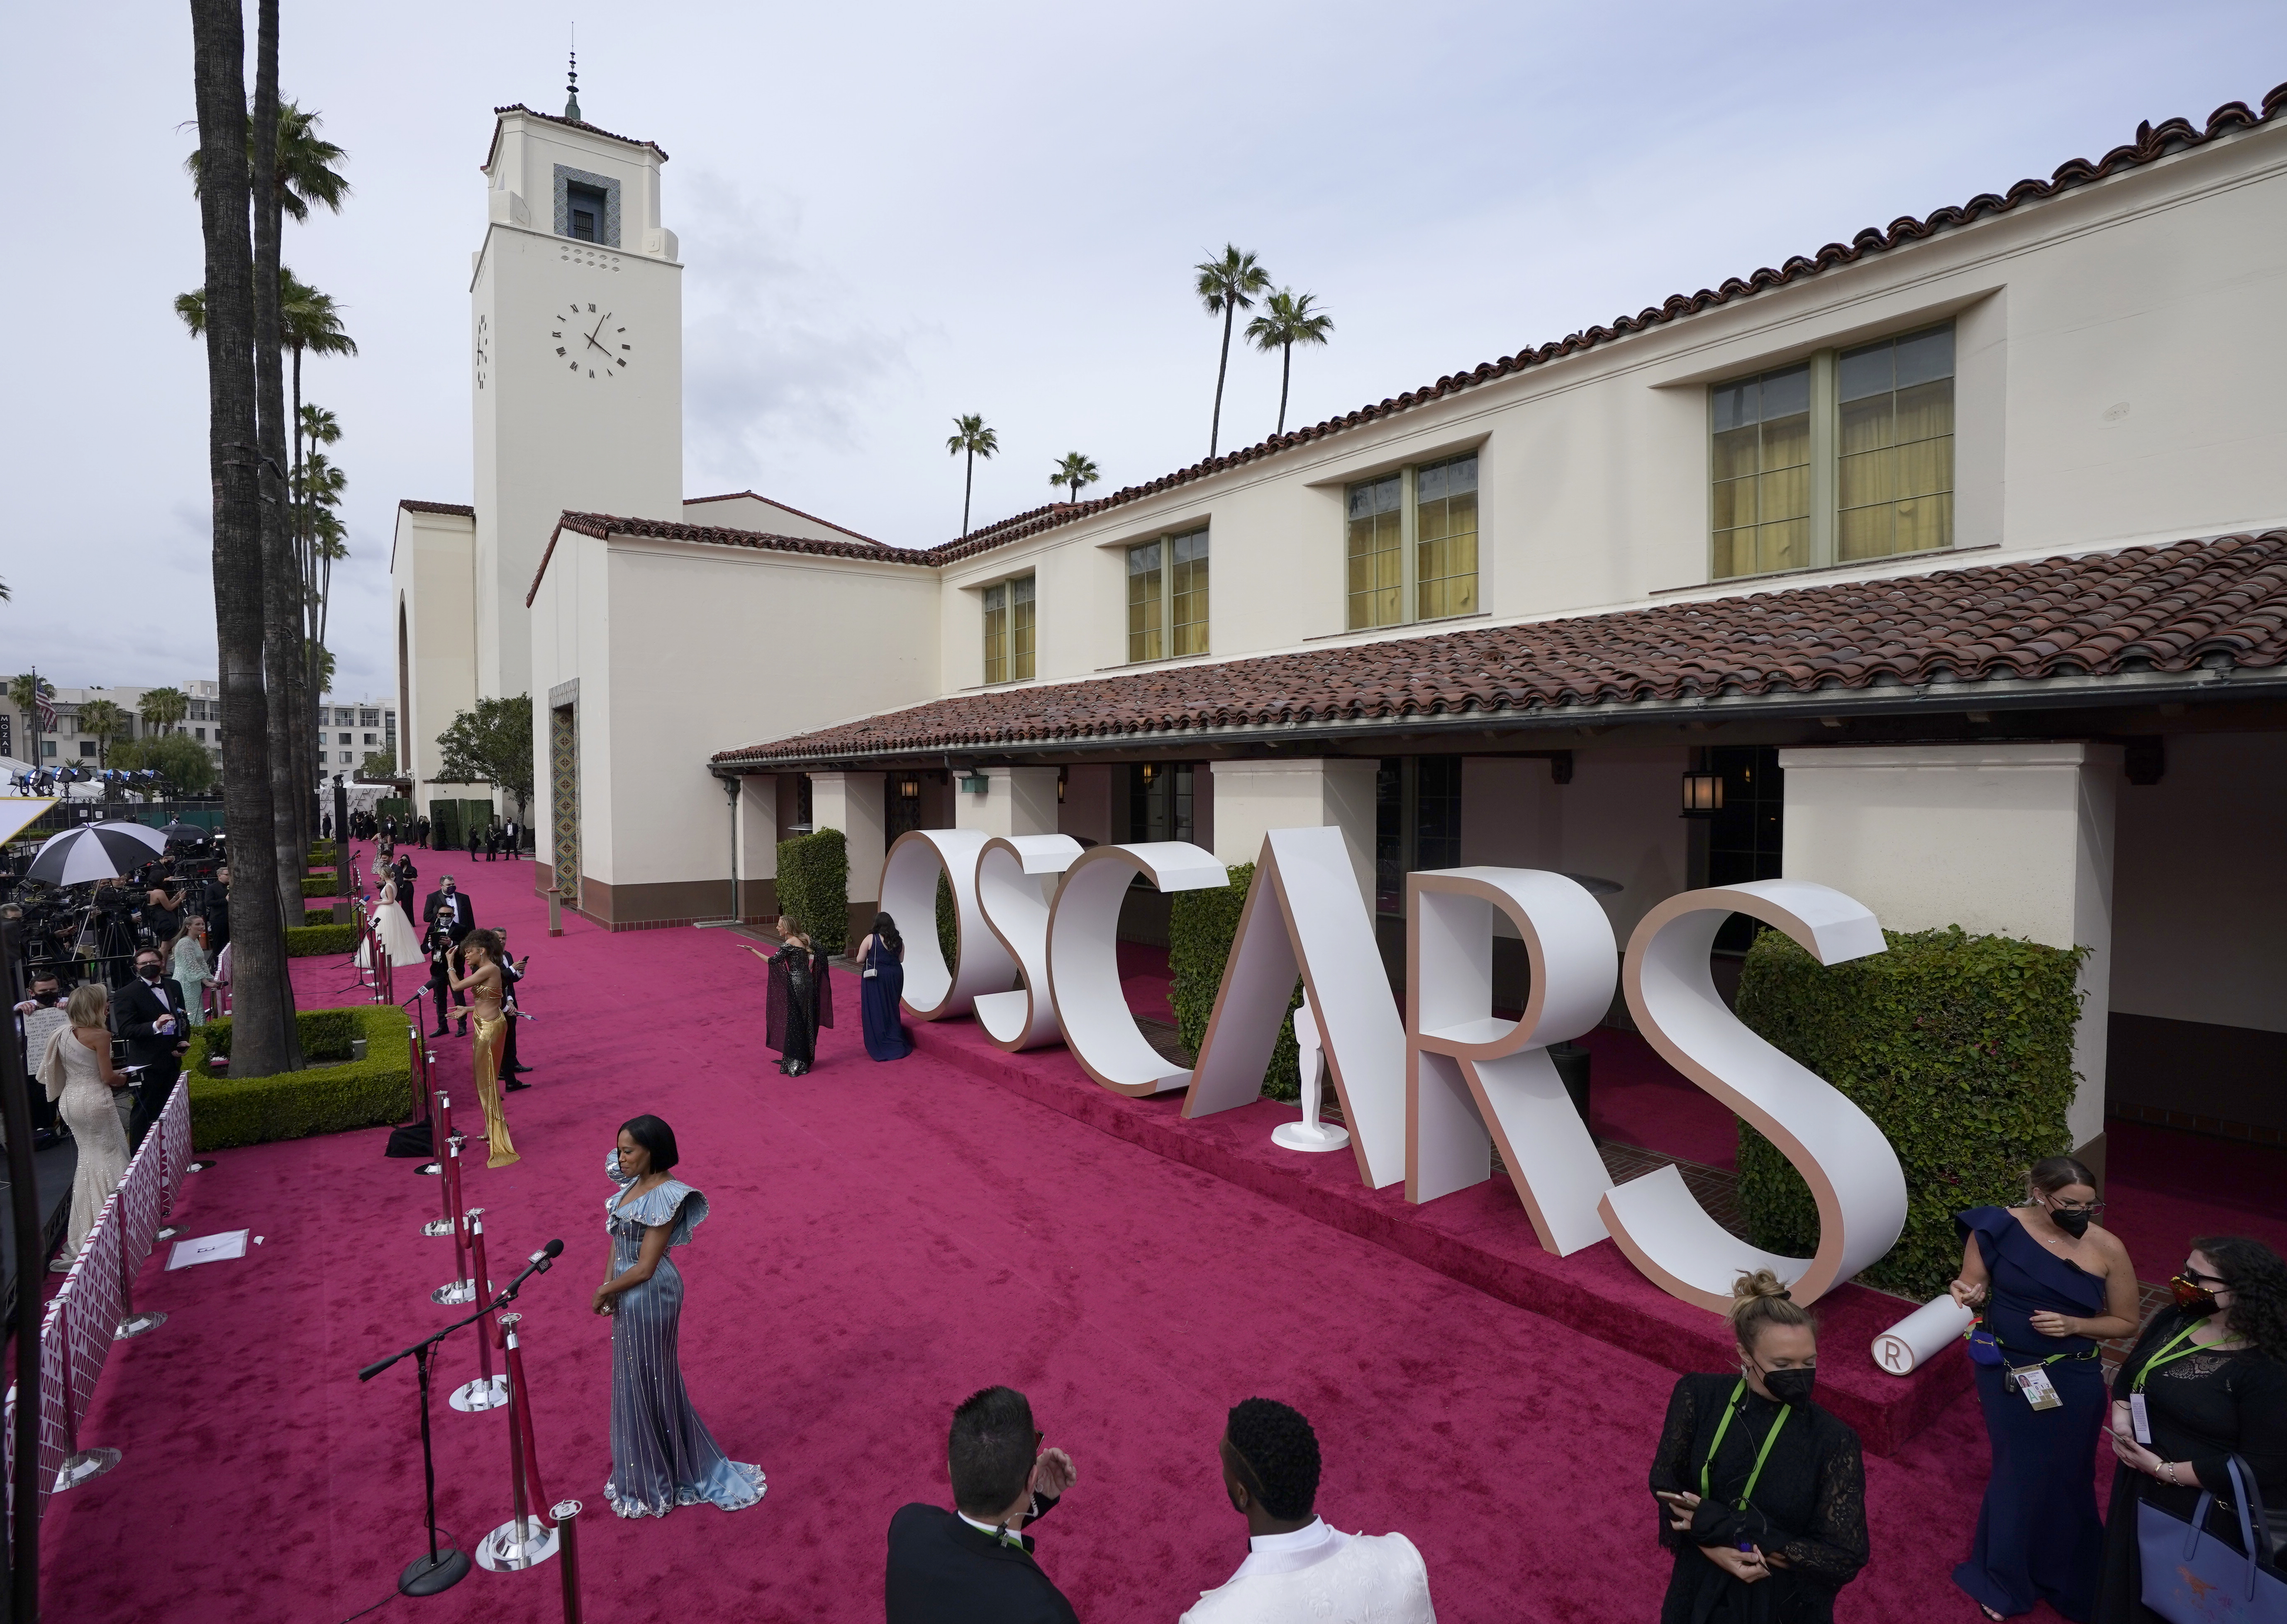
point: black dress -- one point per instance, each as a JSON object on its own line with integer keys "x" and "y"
{"x": 880, "y": 989}
{"x": 2202, "y": 1408}
{"x": 1808, "y": 1507}
{"x": 801, "y": 1001}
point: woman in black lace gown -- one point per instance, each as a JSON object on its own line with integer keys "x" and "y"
{"x": 801, "y": 999}
{"x": 1761, "y": 1493}
{"x": 2212, "y": 1371}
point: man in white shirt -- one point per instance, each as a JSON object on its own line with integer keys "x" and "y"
{"x": 1298, "y": 1570}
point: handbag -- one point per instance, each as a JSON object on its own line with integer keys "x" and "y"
{"x": 2191, "y": 1577}
{"x": 1983, "y": 1349}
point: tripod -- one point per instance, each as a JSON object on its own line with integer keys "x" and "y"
{"x": 441, "y": 1570}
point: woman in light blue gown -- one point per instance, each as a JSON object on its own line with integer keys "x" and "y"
{"x": 663, "y": 1456}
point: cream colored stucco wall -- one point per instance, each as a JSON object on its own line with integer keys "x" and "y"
{"x": 2116, "y": 356}
{"x": 1617, "y": 820}
{"x": 432, "y": 576}
{"x": 745, "y": 510}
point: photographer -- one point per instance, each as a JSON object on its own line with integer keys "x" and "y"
{"x": 511, "y": 973}
{"x": 39, "y": 1018}
{"x": 450, "y": 920}
{"x": 153, "y": 1017}
{"x": 216, "y": 906}
{"x": 163, "y": 916}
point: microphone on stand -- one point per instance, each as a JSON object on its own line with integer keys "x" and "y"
{"x": 538, "y": 1265}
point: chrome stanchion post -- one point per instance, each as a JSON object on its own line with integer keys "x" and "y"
{"x": 488, "y": 1392}
{"x": 525, "y": 1539}
{"x": 461, "y": 1289}
{"x": 78, "y": 1465}
{"x": 568, "y": 1516}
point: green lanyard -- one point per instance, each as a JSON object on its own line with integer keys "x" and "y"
{"x": 2165, "y": 1357}
{"x": 1730, "y": 1408}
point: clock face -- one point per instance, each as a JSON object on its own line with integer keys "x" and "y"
{"x": 484, "y": 349}
{"x": 590, "y": 341}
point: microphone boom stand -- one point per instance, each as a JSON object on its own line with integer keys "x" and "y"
{"x": 441, "y": 1570}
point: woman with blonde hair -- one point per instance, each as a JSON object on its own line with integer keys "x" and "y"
{"x": 76, "y": 1070}
{"x": 1762, "y": 1495}
{"x": 191, "y": 968}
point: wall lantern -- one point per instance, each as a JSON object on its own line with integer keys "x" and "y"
{"x": 1060, "y": 786}
{"x": 909, "y": 789}
{"x": 975, "y": 784}
{"x": 1148, "y": 768}
{"x": 1703, "y": 794}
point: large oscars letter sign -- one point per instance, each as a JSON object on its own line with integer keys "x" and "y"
{"x": 934, "y": 990}
{"x": 1010, "y": 872}
{"x": 1467, "y": 1071}
{"x": 1841, "y": 1155}
{"x": 1084, "y": 959}
{"x": 1303, "y": 912}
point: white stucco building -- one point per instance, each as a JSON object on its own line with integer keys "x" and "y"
{"x": 1956, "y": 554}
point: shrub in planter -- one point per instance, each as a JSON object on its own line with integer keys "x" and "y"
{"x": 317, "y": 940}
{"x": 814, "y": 887}
{"x": 1959, "y": 1047}
{"x": 317, "y": 915}
{"x": 315, "y": 885}
{"x": 1202, "y": 925}
{"x": 323, "y": 1098}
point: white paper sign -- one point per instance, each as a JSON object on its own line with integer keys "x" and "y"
{"x": 208, "y": 1248}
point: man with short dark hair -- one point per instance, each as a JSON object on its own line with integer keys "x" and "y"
{"x": 974, "y": 1564}
{"x": 1295, "y": 1565}
{"x": 151, "y": 1015}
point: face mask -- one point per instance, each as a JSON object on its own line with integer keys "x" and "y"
{"x": 1792, "y": 1387}
{"x": 149, "y": 972}
{"x": 2074, "y": 1223}
{"x": 2193, "y": 1298}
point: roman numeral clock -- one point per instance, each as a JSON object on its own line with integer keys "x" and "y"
{"x": 591, "y": 342}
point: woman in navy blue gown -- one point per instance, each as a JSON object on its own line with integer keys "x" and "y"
{"x": 882, "y": 982}
{"x": 2054, "y": 1284}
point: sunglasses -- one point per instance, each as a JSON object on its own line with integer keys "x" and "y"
{"x": 2194, "y": 1274}
{"x": 2090, "y": 1207}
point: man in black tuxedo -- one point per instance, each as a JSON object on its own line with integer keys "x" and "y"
{"x": 450, "y": 913}
{"x": 973, "y": 1566}
{"x": 154, "y": 1018}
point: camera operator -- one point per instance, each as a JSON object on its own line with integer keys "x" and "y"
{"x": 162, "y": 916}
{"x": 511, "y": 973}
{"x": 216, "y": 906}
{"x": 153, "y": 1019}
{"x": 37, "y": 1019}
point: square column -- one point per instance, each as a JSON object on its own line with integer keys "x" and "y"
{"x": 2001, "y": 840}
{"x": 1016, "y": 800}
{"x": 1253, "y": 797}
{"x": 852, "y": 802}
{"x": 758, "y": 846}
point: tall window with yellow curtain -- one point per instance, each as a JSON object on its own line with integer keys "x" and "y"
{"x": 1377, "y": 552}
{"x": 1008, "y": 630}
{"x": 1445, "y": 527}
{"x": 1763, "y": 473}
{"x": 1894, "y": 490}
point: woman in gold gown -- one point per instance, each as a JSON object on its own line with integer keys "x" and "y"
{"x": 482, "y": 953}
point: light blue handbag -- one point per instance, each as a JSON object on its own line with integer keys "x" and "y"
{"x": 2191, "y": 1577}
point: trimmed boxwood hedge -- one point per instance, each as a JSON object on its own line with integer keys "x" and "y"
{"x": 1202, "y": 925}
{"x": 320, "y": 885}
{"x": 1959, "y": 1047}
{"x": 316, "y": 916}
{"x": 323, "y": 1098}
{"x": 814, "y": 887}
{"x": 317, "y": 940}
{"x": 948, "y": 920}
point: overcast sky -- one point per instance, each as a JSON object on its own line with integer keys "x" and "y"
{"x": 892, "y": 214}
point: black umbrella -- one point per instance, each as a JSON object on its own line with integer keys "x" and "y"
{"x": 93, "y": 851}
{"x": 181, "y": 831}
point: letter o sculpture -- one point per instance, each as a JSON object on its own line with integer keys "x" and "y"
{"x": 1084, "y": 959}
{"x": 934, "y": 990}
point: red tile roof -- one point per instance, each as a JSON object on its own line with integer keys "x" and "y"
{"x": 569, "y": 124}
{"x": 2153, "y": 142}
{"x": 2218, "y": 603}
{"x": 460, "y": 509}
{"x": 603, "y": 526}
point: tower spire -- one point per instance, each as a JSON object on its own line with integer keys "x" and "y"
{"x": 572, "y": 80}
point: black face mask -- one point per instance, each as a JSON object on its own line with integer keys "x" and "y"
{"x": 149, "y": 972}
{"x": 1791, "y": 1387}
{"x": 2074, "y": 1223}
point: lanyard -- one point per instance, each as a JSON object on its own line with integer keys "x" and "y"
{"x": 2165, "y": 1357}
{"x": 1730, "y": 1408}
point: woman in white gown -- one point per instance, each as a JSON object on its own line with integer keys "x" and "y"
{"x": 76, "y": 1071}
{"x": 398, "y": 939}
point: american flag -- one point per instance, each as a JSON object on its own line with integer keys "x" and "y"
{"x": 45, "y": 706}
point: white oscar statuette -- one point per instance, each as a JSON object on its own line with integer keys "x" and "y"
{"x": 1309, "y": 1133}
{"x": 1922, "y": 1335}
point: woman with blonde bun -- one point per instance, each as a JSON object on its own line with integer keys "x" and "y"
{"x": 1761, "y": 1493}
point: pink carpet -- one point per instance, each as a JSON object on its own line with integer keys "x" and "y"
{"x": 884, "y": 1239}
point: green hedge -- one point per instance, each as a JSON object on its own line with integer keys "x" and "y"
{"x": 1201, "y": 926}
{"x": 1959, "y": 1047}
{"x": 948, "y": 920}
{"x": 324, "y": 854}
{"x": 317, "y": 940}
{"x": 319, "y": 1099}
{"x": 814, "y": 887}
{"x": 325, "y": 886}
{"x": 316, "y": 916}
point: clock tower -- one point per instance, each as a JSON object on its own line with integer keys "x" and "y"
{"x": 575, "y": 357}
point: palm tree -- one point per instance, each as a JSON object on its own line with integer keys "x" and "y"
{"x": 162, "y": 707}
{"x": 262, "y": 1019}
{"x": 1287, "y": 319}
{"x": 102, "y": 721}
{"x": 970, "y": 436}
{"x": 305, "y": 165}
{"x": 1226, "y": 286}
{"x": 1074, "y": 471}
